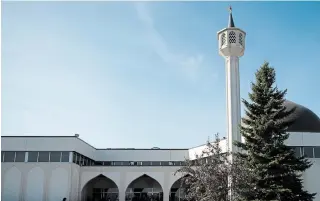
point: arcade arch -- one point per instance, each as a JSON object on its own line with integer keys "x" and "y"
{"x": 177, "y": 190}
{"x": 100, "y": 188}
{"x": 144, "y": 188}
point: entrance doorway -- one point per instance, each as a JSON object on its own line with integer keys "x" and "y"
{"x": 100, "y": 188}
{"x": 144, "y": 188}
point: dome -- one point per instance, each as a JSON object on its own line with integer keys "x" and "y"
{"x": 304, "y": 119}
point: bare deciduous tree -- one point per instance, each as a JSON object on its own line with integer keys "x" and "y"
{"x": 207, "y": 177}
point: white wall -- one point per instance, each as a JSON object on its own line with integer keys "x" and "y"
{"x": 53, "y": 181}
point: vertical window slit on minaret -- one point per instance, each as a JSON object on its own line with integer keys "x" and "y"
{"x": 232, "y": 37}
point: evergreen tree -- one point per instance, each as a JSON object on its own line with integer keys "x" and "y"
{"x": 275, "y": 168}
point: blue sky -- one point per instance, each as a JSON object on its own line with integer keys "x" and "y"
{"x": 145, "y": 74}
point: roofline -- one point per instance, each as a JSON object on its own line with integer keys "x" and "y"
{"x": 68, "y": 136}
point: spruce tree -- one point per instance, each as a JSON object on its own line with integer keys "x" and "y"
{"x": 276, "y": 171}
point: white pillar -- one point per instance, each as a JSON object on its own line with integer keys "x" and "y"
{"x": 233, "y": 101}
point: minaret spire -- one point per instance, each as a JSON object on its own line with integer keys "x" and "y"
{"x": 231, "y": 23}
{"x": 232, "y": 47}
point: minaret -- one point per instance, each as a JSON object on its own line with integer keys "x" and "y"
{"x": 231, "y": 47}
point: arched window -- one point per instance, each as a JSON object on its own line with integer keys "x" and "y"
{"x": 232, "y": 37}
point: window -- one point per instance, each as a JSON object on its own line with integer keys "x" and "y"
{"x": 74, "y": 157}
{"x": 107, "y": 163}
{"x": 223, "y": 39}
{"x": 79, "y": 156}
{"x": 117, "y": 163}
{"x": 156, "y": 163}
{"x": 20, "y": 156}
{"x": 2, "y": 156}
{"x": 317, "y": 152}
{"x": 164, "y": 163}
{"x": 297, "y": 151}
{"x": 240, "y": 39}
{"x": 146, "y": 163}
{"x": 308, "y": 152}
{"x": 65, "y": 156}
{"x": 43, "y": 156}
{"x": 33, "y": 156}
{"x": 126, "y": 163}
{"x": 99, "y": 163}
{"x": 55, "y": 156}
{"x": 9, "y": 156}
{"x": 232, "y": 37}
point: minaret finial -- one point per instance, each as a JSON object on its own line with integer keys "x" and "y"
{"x": 231, "y": 23}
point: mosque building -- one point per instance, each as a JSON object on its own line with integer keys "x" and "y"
{"x": 50, "y": 168}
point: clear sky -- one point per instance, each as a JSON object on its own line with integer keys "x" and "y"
{"x": 145, "y": 74}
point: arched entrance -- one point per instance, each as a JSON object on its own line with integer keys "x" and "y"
{"x": 177, "y": 190}
{"x": 144, "y": 188}
{"x": 100, "y": 188}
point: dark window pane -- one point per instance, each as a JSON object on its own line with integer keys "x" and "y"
{"x": 78, "y": 159}
{"x": 107, "y": 163}
{"x": 164, "y": 163}
{"x": 155, "y": 163}
{"x": 43, "y": 156}
{"x": 65, "y": 156}
{"x": 317, "y": 152}
{"x": 126, "y": 163}
{"x": 178, "y": 163}
{"x": 117, "y": 163}
{"x": 55, "y": 156}
{"x": 297, "y": 151}
{"x": 98, "y": 163}
{"x": 308, "y": 152}
{"x": 9, "y": 156}
{"x": 20, "y": 156}
{"x": 33, "y": 156}
{"x": 74, "y": 157}
{"x": 2, "y": 156}
{"x": 146, "y": 163}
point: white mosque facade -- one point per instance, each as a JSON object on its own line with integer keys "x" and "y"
{"x": 50, "y": 168}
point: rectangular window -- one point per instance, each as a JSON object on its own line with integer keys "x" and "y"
{"x": 98, "y": 163}
{"x": 164, "y": 163}
{"x": 146, "y": 163}
{"x": 74, "y": 157}
{"x": 33, "y": 156}
{"x": 9, "y": 156}
{"x": 55, "y": 156}
{"x": 43, "y": 156}
{"x": 297, "y": 151}
{"x": 65, "y": 156}
{"x": 126, "y": 163}
{"x": 20, "y": 156}
{"x": 308, "y": 152}
{"x": 107, "y": 163}
{"x": 79, "y": 156}
{"x": 156, "y": 163}
{"x": 2, "y": 156}
{"x": 117, "y": 163}
{"x": 317, "y": 152}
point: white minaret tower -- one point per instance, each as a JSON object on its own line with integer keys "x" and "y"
{"x": 231, "y": 47}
